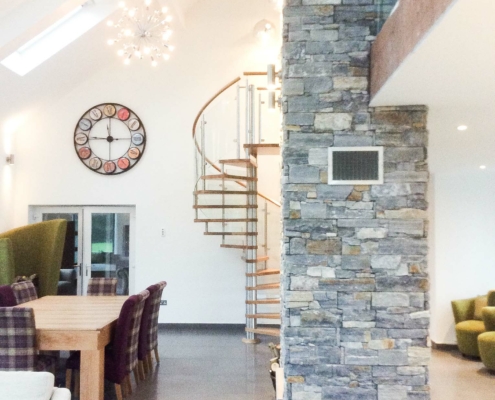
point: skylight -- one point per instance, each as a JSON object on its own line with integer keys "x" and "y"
{"x": 56, "y": 37}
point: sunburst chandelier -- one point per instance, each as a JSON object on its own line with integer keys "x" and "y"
{"x": 143, "y": 33}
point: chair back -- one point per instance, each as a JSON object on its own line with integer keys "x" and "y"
{"x": 145, "y": 322}
{"x": 7, "y": 297}
{"x": 17, "y": 339}
{"x": 24, "y": 291}
{"x": 123, "y": 354}
{"x": 153, "y": 317}
{"x": 102, "y": 287}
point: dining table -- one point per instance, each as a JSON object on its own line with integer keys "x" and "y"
{"x": 83, "y": 323}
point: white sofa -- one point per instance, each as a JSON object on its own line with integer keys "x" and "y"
{"x": 31, "y": 386}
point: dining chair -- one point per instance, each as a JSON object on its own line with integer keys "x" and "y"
{"x": 7, "y": 296}
{"x": 102, "y": 287}
{"x": 24, "y": 292}
{"x": 18, "y": 342}
{"x": 121, "y": 354}
{"x": 148, "y": 336}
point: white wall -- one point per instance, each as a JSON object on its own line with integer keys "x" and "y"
{"x": 462, "y": 217}
{"x": 206, "y": 283}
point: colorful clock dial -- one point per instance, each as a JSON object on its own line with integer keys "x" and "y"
{"x": 110, "y": 139}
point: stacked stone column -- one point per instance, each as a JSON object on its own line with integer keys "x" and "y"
{"x": 355, "y": 283}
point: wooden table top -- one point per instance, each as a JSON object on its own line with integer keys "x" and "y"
{"x": 75, "y": 313}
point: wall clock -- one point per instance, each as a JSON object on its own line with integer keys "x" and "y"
{"x": 110, "y": 139}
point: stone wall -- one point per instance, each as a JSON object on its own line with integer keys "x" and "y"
{"x": 355, "y": 284}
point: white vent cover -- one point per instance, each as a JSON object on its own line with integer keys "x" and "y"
{"x": 355, "y": 165}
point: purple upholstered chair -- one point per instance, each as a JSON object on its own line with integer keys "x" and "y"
{"x": 148, "y": 336}
{"x": 18, "y": 342}
{"x": 102, "y": 287}
{"x": 24, "y": 292}
{"x": 7, "y": 297}
{"x": 121, "y": 355}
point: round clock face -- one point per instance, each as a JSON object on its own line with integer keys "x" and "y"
{"x": 109, "y": 139}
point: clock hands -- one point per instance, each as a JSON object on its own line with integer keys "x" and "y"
{"x": 106, "y": 138}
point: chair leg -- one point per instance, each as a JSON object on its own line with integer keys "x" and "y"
{"x": 128, "y": 382}
{"x": 156, "y": 355}
{"x": 118, "y": 391}
{"x": 68, "y": 379}
{"x": 76, "y": 384}
{"x": 140, "y": 367}
{"x": 136, "y": 375}
{"x": 150, "y": 361}
{"x": 144, "y": 365}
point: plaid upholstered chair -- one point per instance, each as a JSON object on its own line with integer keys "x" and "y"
{"x": 18, "y": 342}
{"x": 24, "y": 292}
{"x": 7, "y": 297}
{"x": 102, "y": 287}
{"x": 121, "y": 354}
{"x": 148, "y": 336}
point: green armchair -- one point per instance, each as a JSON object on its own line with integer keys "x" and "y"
{"x": 469, "y": 323}
{"x": 35, "y": 249}
{"x": 486, "y": 341}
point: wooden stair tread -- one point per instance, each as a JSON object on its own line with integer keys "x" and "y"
{"x": 256, "y": 260}
{"x": 265, "y": 272}
{"x": 247, "y": 193}
{"x": 229, "y": 177}
{"x": 231, "y": 233}
{"x": 227, "y": 220}
{"x": 264, "y": 331}
{"x": 224, "y": 206}
{"x": 265, "y": 301}
{"x": 238, "y": 246}
{"x": 263, "y": 148}
{"x": 247, "y": 162}
{"x": 264, "y": 316}
{"x": 266, "y": 286}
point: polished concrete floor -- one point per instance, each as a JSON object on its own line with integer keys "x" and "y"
{"x": 212, "y": 363}
{"x": 207, "y": 363}
{"x": 453, "y": 377}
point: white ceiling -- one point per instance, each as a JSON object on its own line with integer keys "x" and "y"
{"x": 454, "y": 65}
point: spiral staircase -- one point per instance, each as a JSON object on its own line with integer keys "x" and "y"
{"x": 226, "y": 196}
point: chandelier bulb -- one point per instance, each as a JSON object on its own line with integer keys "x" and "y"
{"x": 147, "y": 2}
{"x": 164, "y": 10}
{"x": 127, "y": 61}
{"x": 120, "y": 52}
{"x": 154, "y": 63}
{"x": 171, "y": 48}
{"x": 110, "y": 42}
{"x": 169, "y": 18}
{"x": 110, "y": 22}
{"x": 166, "y": 56}
{"x": 122, "y": 4}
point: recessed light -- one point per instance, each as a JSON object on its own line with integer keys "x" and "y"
{"x": 482, "y": 166}
{"x": 462, "y": 128}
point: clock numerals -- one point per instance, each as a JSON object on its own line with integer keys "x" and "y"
{"x": 84, "y": 152}
{"x": 134, "y": 124}
{"x": 134, "y": 153}
{"x": 85, "y": 124}
{"x": 137, "y": 139}
{"x": 109, "y": 167}
{"x": 95, "y": 114}
{"x": 109, "y": 139}
{"x": 109, "y": 110}
{"x": 123, "y": 114}
{"x": 81, "y": 139}
{"x": 95, "y": 163}
{"x": 123, "y": 163}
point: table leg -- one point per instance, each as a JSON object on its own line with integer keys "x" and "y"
{"x": 92, "y": 374}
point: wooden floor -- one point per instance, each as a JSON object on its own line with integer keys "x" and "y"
{"x": 206, "y": 363}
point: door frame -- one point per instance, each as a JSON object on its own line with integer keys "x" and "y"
{"x": 84, "y": 241}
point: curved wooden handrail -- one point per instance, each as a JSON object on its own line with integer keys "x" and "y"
{"x": 229, "y": 85}
{"x": 196, "y": 120}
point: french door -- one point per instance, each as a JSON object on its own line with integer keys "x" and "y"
{"x": 100, "y": 242}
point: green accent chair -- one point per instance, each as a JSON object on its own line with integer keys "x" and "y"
{"x": 35, "y": 249}
{"x": 486, "y": 341}
{"x": 469, "y": 324}
{"x": 7, "y": 273}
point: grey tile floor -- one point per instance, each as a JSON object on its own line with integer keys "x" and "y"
{"x": 212, "y": 363}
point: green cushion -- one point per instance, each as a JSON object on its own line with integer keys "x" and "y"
{"x": 479, "y": 303}
{"x": 7, "y": 268}
{"x": 467, "y": 333}
{"x": 38, "y": 249}
{"x": 486, "y": 345}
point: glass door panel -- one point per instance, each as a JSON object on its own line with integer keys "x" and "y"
{"x": 110, "y": 248}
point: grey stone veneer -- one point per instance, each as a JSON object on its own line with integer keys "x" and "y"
{"x": 355, "y": 283}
